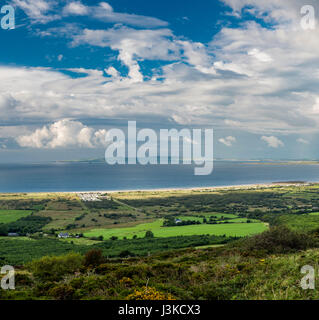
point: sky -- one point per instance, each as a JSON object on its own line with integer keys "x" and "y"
{"x": 72, "y": 70}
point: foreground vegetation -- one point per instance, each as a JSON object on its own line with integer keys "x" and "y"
{"x": 20, "y": 251}
{"x": 266, "y": 266}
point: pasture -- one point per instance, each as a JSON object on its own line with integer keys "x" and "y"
{"x": 229, "y": 230}
{"x": 7, "y": 216}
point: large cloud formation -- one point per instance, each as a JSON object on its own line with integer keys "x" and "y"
{"x": 64, "y": 133}
{"x": 252, "y": 78}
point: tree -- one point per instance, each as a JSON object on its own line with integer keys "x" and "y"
{"x": 149, "y": 234}
{"x": 125, "y": 254}
{"x": 3, "y": 230}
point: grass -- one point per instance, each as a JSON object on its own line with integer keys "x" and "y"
{"x": 209, "y": 246}
{"x": 20, "y": 250}
{"x": 60, "y": 219}
{"x": 235, "y": 230}
{"x": 314, "y": 213}
{"x": 37, "y": 196}
{"x": 80, "y": 241}
{"x": 201, "y": 216}
{"x": 232, "y": 218}
{"x": 219, "y": 215}
{"x": 302, "y": 223}
{"x": 7, "y": 216}
{"x": 16, "y": 239}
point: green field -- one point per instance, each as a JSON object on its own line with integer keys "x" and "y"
{"x": 80, "y": 241}
{"x": 219, "y": 215}
{"x": 233, "y": 229}
{"x": 302, "y": 223}
{"x": 230, "y": 218}
{"x": 314, "y": 213}
{"x": 7, "y": 216}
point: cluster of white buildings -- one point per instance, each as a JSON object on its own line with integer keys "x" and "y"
{"x": 89, "y": 196}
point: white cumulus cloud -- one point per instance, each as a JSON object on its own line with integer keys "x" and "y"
{"x": 104, "y": 12}
{"x": 228, "y": 141}
{"x": 272, "y": 141}
{"x": 75, "y": 8}
{"x": 39, "y": 11}
{"x": 249, "y": 77}
{"x": 62, "y": 134}
{"x": 303, "y": 141}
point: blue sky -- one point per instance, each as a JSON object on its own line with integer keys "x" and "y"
{"x": 182, "y": 17}
{"x": 71, "y": 70}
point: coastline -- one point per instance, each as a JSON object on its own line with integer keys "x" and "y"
{"x": 240, "y": 186}
{"x": 190, "y": 189}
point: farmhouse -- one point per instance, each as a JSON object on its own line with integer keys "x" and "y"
{"x": 63, "y": 235}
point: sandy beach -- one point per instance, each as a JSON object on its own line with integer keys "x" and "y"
{"x": 231, "y": 187}
{"x": 248, "y": 186}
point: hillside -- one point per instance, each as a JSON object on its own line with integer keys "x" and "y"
{"x": 246, "y": 243}
{"x": 265, "y": 267}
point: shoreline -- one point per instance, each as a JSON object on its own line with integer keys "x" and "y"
{"x": 240, "y": 186}
{"x": 235, "y": 187}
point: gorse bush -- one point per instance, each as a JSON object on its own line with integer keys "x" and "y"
{"x": 55, "y": 268}
{"x": 149, "y": 293}
{"x": 62, "y": 292}
{"x": 93, "y": 258}
{"x": 279, "y": 240}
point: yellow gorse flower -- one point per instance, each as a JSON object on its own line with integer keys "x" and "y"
{"x": 149, "y": 293}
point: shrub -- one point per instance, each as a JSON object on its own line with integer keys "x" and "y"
{"x": 126, "y": 253}
{"x": 62, "y": 292}
{"x": 23, "y": 279}
{"x": 149, "y": 234}
{"x": 105, "y": 268}
{"x": 127, "y": 282}
{"x": 55, "y": 268}
{"x": 93, "y": 258}
{"x": 149, "y": 293}
{"x": 3, "y": 230}
{"x": 130, "y": 271}
{"x": 70, "y": 226}
{"x": 279, "y": 240}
